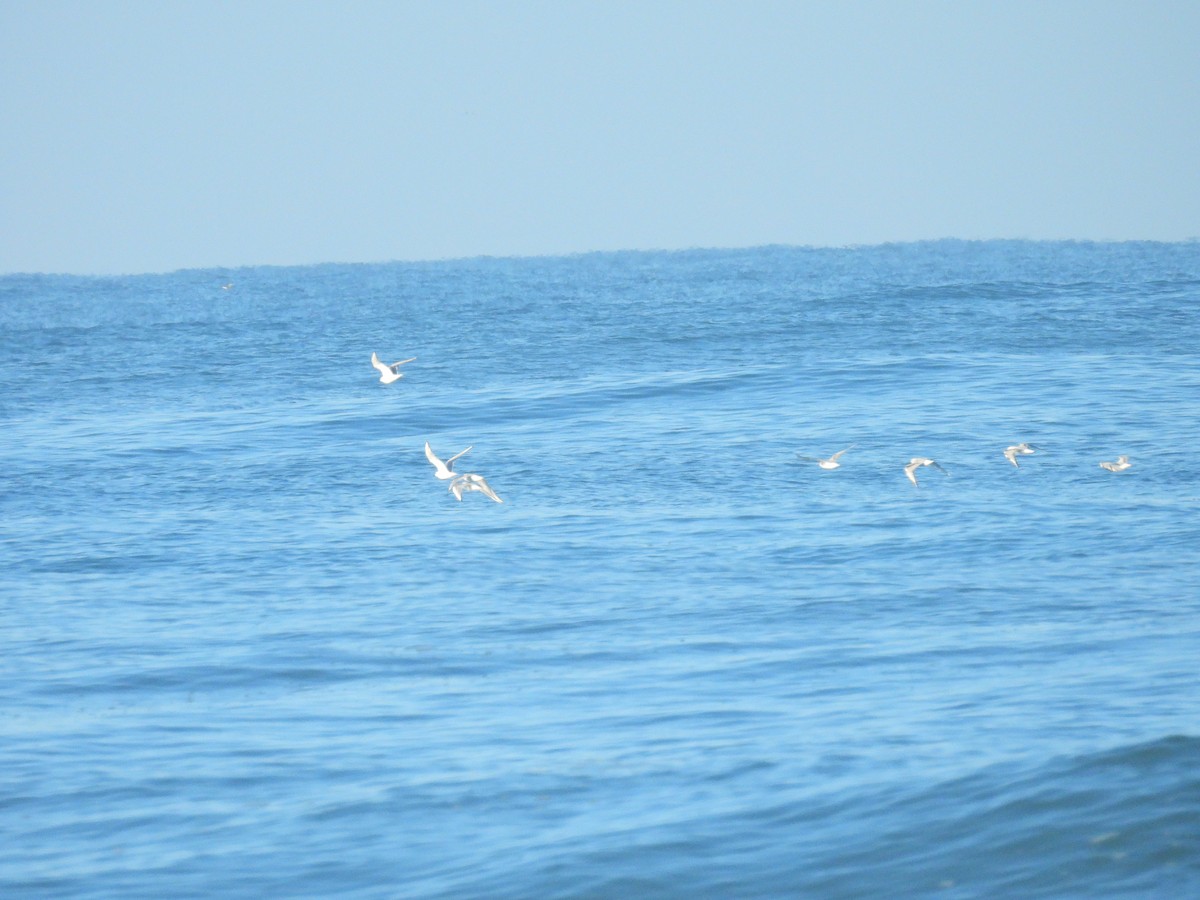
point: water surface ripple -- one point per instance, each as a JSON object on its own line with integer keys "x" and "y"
{"x": 249, "y": 646}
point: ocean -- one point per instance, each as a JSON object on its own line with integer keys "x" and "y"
{"x": 250, "y": 646}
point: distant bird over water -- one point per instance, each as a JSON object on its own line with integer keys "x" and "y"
{"x": 1022, "y": 449}
{"x": 915, "y": 463}
{"x": 831, "y": 463}
{"x": 388, "y": 374}
{"x": 443, "y": 470}
{"x": 1120, "y": 465}
{"x": 464, "y": 483}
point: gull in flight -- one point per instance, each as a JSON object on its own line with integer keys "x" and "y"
{"x": 1120, "y": 465}
{"x": 443, "y": 470}
{"x": 831, "y": 463}
{"x": 388, "y": 374}
{"x": 1023, "y": 449}
{"x": 915, "y": 463}
{"x": 464, "y": 483}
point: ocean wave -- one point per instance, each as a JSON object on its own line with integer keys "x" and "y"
{"x": 1118, "y": 823}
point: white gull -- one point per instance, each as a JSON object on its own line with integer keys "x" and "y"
{"x": 388, "y": 374}
{"x": 915, "y": 463}
{"x": 442, "y": 470}
{"x": 1023, "y": 449}
{"x": 831, "y": 463}
{"x": 465, "y": 483}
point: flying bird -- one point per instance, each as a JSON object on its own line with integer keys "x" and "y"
{"x": 831, "y": 463}
{"x": 442, "y": 470}
{"x": 1120, "y": 465}
{"x": 915, "y": 463}
{"x": 1022, "y": 449}
{"x": 463, "y": 484}
{"x": 388, "y": 374}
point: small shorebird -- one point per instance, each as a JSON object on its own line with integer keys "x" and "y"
{"x": 831, "y": 463}
{"x": 915, "y": 463}
{"x": 1120, "y": 465}
{"x": 443, "y": 470}
{"x": 465, "y": 483}
{"x": 1023, "y": 449}
{"x": 388, "y": 374}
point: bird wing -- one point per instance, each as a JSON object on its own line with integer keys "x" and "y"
{"x": 395, "y": 367}
{"x": 481, "y": 485}
{"x": 450, "y": 461}
{"x": 383, "y": 370}
{"x": 432, "y": 457}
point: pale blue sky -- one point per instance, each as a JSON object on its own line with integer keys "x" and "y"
{"x": 153, "y": 136}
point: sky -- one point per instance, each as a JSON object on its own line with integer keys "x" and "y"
{"x": 156, "y": 136}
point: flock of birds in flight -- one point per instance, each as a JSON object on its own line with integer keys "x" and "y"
{"x": 1010, "y": 453}
{"x": 443, "y": 469}
{"x": 461, "y": 484}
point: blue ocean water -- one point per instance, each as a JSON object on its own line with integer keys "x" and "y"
{"x": 250, "y": 646}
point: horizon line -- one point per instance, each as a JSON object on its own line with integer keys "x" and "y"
{"x": 239, "y": 267}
